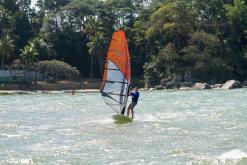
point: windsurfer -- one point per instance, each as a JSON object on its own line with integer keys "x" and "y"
{"x": 135, "y": 96}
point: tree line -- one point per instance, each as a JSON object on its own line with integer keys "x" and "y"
{"x": 168, "y": 39}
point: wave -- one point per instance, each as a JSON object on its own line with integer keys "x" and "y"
{"x": 99, "y": 121}
{"x": 21, "y": 161}
{"x": 147, "y": 118}
{"x": 234, "y": 155}
{"x": 9, "y": 135}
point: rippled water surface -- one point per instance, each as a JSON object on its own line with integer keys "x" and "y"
{"x": 171, "y": 127}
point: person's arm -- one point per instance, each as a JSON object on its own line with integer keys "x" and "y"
{"x": 131, "y": 94}
{"x": 129, "y": 91}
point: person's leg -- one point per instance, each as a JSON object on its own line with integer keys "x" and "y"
{"x": 128, "y": 112}
{"x": 132, "y": 112}
{"x": 132, "y": 109}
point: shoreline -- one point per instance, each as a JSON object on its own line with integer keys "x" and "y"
{"x": 9, "y": 92}
{"x": 52, "y": 86}
{"x": 79, "y": 91}
{"x": 92, "y": 86}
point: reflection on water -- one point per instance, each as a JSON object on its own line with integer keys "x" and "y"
{"x": 171, "y": 127}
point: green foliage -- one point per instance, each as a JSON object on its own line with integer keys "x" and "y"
{"x": 54, "y": 4}
{"x": 21, "y": 28}
{"x": 166, "y": 38}
{"x": 151, "y": 74}
{"x": 96, "y": 47}
{"x": 43, "y": 50}
{"x": 237, "y": 13}
{"x": 58, "y": 69}
{"x": 207, "y": 36}
{"x": 203, "y": 57}
{"x": 29, "y": 55}
{"x": 92, "y": 25}
{"x": 167, "y": 64}
{"x": 6, "y": 48}
{"x": 5, "y": 20}
{"x": 173, "y": 21}
{"x": 97, "y": 44}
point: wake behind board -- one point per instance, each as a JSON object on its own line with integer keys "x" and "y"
{"x": 121, "y": 119}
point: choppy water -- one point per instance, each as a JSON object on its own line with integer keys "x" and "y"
{"x": 171, "y": 127}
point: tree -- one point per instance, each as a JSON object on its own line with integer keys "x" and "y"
{"x": 204, "y": 59}
{"x": 237, "y": 17}
{"x": 24, "y": 5}
{"x": 139, "y": 46}
{"x": 5, "y": 20}
{"x": 54, "y": 4}
{"x": 123, "y": 11}
{"x": 205, "y": 38}
{"x": 44, "y": 50}
{"x": 92, "y": 25}
{"x": 79, "y": 13}
{"x": 96, "y": 48}
{"x": 97, "y": 41}
{"x": 6, "y": 48}
{"x": 236, "y": 42}
{"x": 58, "y": 69}
{"x": 172, "y": 22}
{"x": 29, "y": 55}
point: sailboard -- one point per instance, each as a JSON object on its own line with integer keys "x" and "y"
{"x": 117, "y": 73}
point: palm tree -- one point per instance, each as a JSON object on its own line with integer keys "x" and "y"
{"x": 92, "y": 25}
{"x": 96, "y": 48}
{"x": 6, "y": 48}
{"x": 29, "y": 55}
{"x": 5, "y": 19}
{"x": 92, "y": 28}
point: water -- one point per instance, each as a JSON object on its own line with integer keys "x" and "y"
{"x": 171, "y": 127}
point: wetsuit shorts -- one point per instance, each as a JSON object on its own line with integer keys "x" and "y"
{"x": 133, "y": 104}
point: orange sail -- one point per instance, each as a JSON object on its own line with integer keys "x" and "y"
{"x": 117, "y": 73}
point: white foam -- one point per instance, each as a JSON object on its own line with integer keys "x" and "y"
{"x": 100, "y": 121}
{"x": 21, "y": 161}
{"x": 173, "y": 128}
{"x": 232, "y": 155}
{"x": 26, "y": 161}
{"x": 202, "y": 159}
{"x": 147, "y": 118}
{"x": 10, "y": 125}
{"x": 10, "y": 136}
{"x": 175, "y": 115}
{"x": 56, "y": 92}
{"x": 230, "y": 158}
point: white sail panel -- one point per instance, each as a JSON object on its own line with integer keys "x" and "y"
{"x": 115, "y": 88}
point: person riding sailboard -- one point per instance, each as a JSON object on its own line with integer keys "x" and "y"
{"x": 117, "y": 73}
{"x": 135, "y": 96}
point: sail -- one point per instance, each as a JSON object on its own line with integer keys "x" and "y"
{"x": 117, "y": 73}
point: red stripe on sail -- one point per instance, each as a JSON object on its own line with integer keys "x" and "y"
{"x": 118, "y": 53}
